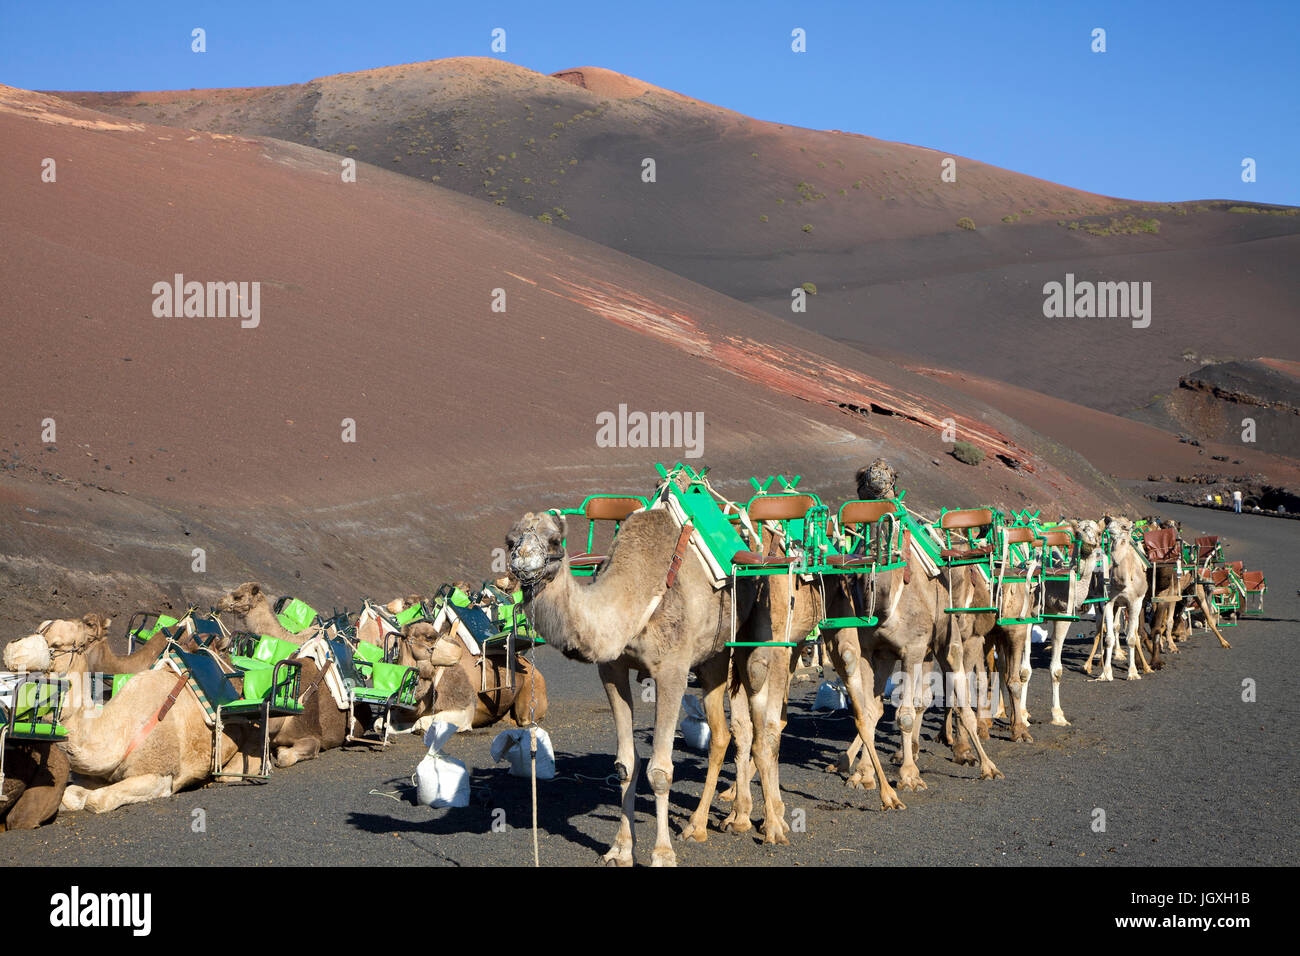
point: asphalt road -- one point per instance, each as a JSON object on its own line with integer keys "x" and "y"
{"x": 1185, "y": 770}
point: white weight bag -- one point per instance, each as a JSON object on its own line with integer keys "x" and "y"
{"x": 441, "y": 781}
{"x": 830, "y": 697}
{"x": 513, "y": 745}
{"x": 694, "y": 725}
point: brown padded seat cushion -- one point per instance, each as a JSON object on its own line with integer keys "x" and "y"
{"x": 1254, "y": 580}
{"x": 1161, "y": 544}
{"x": 779, "y": 507}
{"x": 1020, "y": 535}
{"x": 970, "y": 518}
{"x": 755, "y": 560}
{"x": 611, "y": 508}
{"x": 865, "y": 512}
{"x": 974, "y": 553}
{"x": 1057, "y": 539}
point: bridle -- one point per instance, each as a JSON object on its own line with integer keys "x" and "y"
{"x": 534, "y": 581}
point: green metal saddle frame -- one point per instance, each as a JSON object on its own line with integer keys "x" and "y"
{"x": 35, "y": 713}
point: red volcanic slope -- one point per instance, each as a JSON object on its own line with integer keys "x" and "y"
{"x": 375, "y": 307}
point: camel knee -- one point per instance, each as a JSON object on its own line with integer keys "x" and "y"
{"x": 661, "y": 780}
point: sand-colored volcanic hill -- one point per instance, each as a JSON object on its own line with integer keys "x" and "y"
{"x": 753, "y": 209}
{"x": 375, "y": 306}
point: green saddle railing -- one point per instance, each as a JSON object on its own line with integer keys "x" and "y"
{"x": 34, "y": 713}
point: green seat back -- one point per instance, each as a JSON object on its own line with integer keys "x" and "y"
{"x": 144, "y": 633}
{"x": 370, "y": 653}
{"x": 412, "y": 613}
{"x": 272, "y": 650}
{"x": 38, "y": 703}
{"x": 297, "y": 616}
{"x": 257, "y": 685}
{"x": 119, "y": 681}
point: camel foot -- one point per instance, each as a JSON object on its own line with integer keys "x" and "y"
{"x": 1058, "y": 718}
{"x": 991, "y": 772}
{"x": 776, "y": 832}
{"x": 728, "y": 795}
{"x": 699, "y": 833}
{"x": 984, "y": 725}
{"x": 663, "y": 856}
{"x": 1133, "y": 675}
{"x": 620, "y": 854}
{"x": 74, "y": 797}
{"x": 889, "y": 799}
{"x": 910, "y": 779}
{"x": 1103, "y": 676}
{"x": 737, "y": 823}
{"x": 861, "y": 781}
{"x": 1020, "y": 734}
{"x": 964, "y": 756}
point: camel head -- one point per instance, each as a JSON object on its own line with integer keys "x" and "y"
{"x": 877, "y": 480}
{"x": 1089, "y": 533}
{"x": 242, "y": 599}
{"x": 536, "y": 547}
{"x": 67, "y": 638}
{"x": 398, "y": 605}
{"x": 1119, "y": 528}
{"x": 430, "y": 649}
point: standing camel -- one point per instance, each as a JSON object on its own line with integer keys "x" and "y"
{"x": 1129, "y": 588}
{"x": 1062, "y": 600}
{"x": 636, "y": 612}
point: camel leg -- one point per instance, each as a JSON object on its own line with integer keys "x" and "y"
{"x": 137, "y": 789}
{"x": 303, "y": 749}
{"x": 1108, "y": 629}
{"x": 909, "y": 717}
{"x": 1209, "y": 617}
{"x": 951, "y": 663}
{"x": 40, "y": 801}
{"x": 1131, "y": 640}
{"x": 1059, "y": 631}
{"x": 713, "y": 681}
{"x": 855, "y": 670}
{"x": 1015, "y": 672}
{"x": 616, "y": 680}
{"x": 670, "y": 686}
{"x": 769, "y": 671}
{"x": 742, "y": 726}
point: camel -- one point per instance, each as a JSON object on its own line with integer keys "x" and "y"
{"x": 452, "y": 681}
{"x": 1060, "y": 600}
{"x": 116, "y": 756}
{"x": 635, "y": 613}
{"x": 35, "y": 773}
{"x": 912, "y": 624}
{"x": 253, "y": 612}
{"x": 1169, "y": 626}
{"x": 1129, "y": 588}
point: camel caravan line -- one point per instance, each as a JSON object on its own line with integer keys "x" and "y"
{"x": 736, "y": 593}
{"x": 733, "y": 592}
{"x": 194, "y": 701}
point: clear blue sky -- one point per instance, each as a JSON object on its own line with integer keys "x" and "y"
{"x": 1184, "y": 92}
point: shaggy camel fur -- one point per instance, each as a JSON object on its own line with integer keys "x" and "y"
{"x": 912, "y": 624}
{"x": 628, "y": 617}
{"x": 1128, "y": 588}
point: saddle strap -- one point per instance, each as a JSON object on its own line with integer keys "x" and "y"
{"x": 157, "y": 718}
{"x": 679, "y": 552}
{"x": 907, "y": 551}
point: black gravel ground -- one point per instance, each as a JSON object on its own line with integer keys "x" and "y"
{"x": 1185, "y": 770}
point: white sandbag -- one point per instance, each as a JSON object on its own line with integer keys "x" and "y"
{"x": 441, "y": 781}
{"x": 694, "y": 725}
{"x": 1039, "y": 634}
{"x": 28, "y": 655}
{"x": 514, "y": 745}
{"x": 830, "y": 697}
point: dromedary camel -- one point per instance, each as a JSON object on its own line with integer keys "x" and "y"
{"x": 1060, "y": 599}
{"x": 1128, "y": 588}
{"x": 912, "y": 623}
{"x": 36, "y": 773}
{"x": 452, "y": 680}
{"x": 252, "y": 610}
{"x": 123, "y": 752}
{"x": 629, "y": 616}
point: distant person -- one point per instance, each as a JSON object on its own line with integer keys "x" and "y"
{"x": 1236, "y": 500}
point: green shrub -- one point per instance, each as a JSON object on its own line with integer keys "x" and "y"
{"x": 965, "y": 222}
{"x": 807, "y": 227}
{"x": 967, "y": 454}
{"x": 809, "y": 288}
